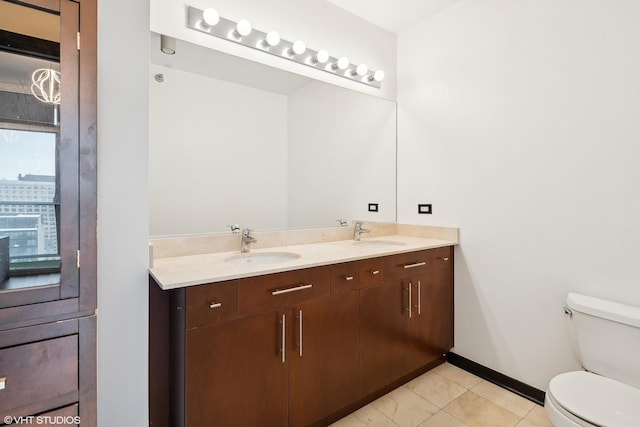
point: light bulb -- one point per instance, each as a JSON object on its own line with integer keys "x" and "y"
{"x": 210, "y": 17}
{"x": 243, "y": 28}
{"x": 272, "y": 39}
{"x": 360, "y": 70}
{"x": 341, "y": 64}
{"x": 297, "y": 48}
{"x": 378, "y": 76}
{"x": 321, "y": 57}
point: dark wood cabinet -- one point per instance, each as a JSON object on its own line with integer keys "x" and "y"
{"x": 48, "y": 300}
{"x": 235, "y": 373}
{"x": 297, "y": 348}
{"x": 324, "y": 371}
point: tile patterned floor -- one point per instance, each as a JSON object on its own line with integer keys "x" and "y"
{"x": 448, "y": 396}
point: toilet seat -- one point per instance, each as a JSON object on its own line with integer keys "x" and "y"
{"x": 595, "y": 399}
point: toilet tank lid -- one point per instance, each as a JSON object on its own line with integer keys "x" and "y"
{"x": 610, "y": 310}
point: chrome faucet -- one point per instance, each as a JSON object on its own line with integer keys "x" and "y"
{"x": 247, "y": 239}
{"x": 358, "y": 229}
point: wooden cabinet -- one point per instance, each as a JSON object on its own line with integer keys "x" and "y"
{"x": 235, "y": 373}
{"x": 297, "y": 348}
{"x": 406, "y": 323}
{"x": 323, "y": 375}
{"x": 48, "y": 294}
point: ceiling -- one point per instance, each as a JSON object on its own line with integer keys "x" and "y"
{"x": 393, "y": 15}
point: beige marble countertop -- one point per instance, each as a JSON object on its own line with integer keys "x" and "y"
{"x": 172, "y": 272}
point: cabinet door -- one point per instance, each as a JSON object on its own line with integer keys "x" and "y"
{"x": 323, "y": 376}
{"x": 432, "y": 317}
{"x": 236, "y": 374}
{"x": 384, "y": 335}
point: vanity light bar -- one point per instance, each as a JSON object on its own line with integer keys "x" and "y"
{"x": 241, "y": 32}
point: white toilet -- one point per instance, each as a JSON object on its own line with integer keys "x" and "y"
{"x": 605, "y": 338}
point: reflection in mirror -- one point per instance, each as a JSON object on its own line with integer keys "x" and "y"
{"x": 237, "y": 142}
{"x": 29, "y": 135}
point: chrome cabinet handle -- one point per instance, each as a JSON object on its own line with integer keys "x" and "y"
{"x": 215, "y": 304}
{"x": 3, "y": 382}
{"x": 409, "y": 309}
{"x": 294, "y": 289}
{"x": 374, "y": 272}
{"x": 282, "y": 322}
{"x": 419, "y": 308}
{"x": 443, "y": 258}
{"x": 348, "y": 278}
{"x": 299, "y": 316}
{"x": 417, "y": 264}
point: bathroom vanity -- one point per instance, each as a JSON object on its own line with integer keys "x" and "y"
{"x": 299, "y": 342}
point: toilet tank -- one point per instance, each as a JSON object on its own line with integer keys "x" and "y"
{"x": 605, "y": 337}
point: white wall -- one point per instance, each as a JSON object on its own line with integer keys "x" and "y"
{"x": 320, "y": 24}
{"x": 123, "y": 97}
{"x": 518, "y": 120}
{"x": 217, "y": 155}
{"x": 342, "y": 148}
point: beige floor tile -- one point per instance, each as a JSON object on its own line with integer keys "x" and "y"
{"x": 436, "y": 389}
{"x": 476, "y": 411}
{"x": 404, "y": 407}
{"x": 538, "y": 417}
{"x": 498, "y": 395}
{"x": 457, "y": 375}
{"x": 525, "y": 423}
{"x": 367, "y": 416}
{"x": 442, "y": 419}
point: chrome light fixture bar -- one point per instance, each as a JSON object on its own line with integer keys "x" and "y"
{"x": 241, "y": 32}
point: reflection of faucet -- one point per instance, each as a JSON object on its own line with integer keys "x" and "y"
{"x": 358, "y": 229}
{"x": 247, "y": 239}
{"x": 235, "y": 228}
{"x": 343, "y": 222}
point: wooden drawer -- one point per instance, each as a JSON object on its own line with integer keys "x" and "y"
{"x": 38, "y": 372}
{"x": 371, "y": 272}
{"x": 415, "y": 263}
{"x": 212, "y": 303}
{"x": 345, "y": 277}
{"x": 271, "y": 291}
{"x": 441, "y": 258}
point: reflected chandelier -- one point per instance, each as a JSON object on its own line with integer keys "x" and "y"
{"x": 46, "y": 85}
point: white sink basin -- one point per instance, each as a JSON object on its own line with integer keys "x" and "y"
{"x": 382, "y": 244}
{"x": 262, "y": 258}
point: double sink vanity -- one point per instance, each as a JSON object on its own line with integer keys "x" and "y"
{"x": 303, "y": 329}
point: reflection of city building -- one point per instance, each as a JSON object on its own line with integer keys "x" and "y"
{"x": 25, "y": 234}
{"x": 27, "y": 214}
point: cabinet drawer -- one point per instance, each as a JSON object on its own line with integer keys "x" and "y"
{"x": 441, "y": 258}
{"x": 261, "y": 293}
{"x": 371, "y": 272}
{"x": 37, "y": 372}
{"x": 415, "y": 263}
{"x": 212, "y": 303}
{"x": 345, "y": 277}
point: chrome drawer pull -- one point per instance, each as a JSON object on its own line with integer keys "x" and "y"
{"x": 286, "y": 291}
{"x": 419, "y": 303}
{"x": 348, "y": 278}
{"x": 410, "y": 286}
{"x": 374, "y": 272}
{"x": 283, "y": 349}
{"x": 300, "y": 333}
{"x": 417, "y": 264}
{"x": 443, "y": 258}
{"x": 215, "y": 305}
{"x": 3, "y": 382}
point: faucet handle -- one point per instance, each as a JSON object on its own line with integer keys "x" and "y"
{"x": 246, "y": 232}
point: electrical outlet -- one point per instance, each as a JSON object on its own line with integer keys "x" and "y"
{"x": 425, "y": 208}
{"x": 373, "y": 207}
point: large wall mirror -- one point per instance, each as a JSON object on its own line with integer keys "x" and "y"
{"x": 237, "y": 142}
